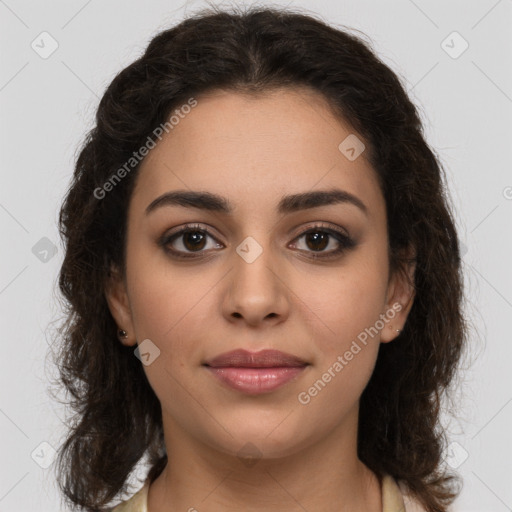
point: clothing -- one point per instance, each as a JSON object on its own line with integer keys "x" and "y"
{"x": 394, "y": 499}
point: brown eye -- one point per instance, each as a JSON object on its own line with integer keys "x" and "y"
{"x": 191, "y": 239}
{"x": 318, "y": 239}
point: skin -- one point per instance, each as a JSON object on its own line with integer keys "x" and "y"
{"x": 253, "y": 151}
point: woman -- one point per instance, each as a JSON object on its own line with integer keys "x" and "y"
{"x": 263, "y": 277}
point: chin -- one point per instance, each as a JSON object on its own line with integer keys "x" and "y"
{"x": 256, "y": 439}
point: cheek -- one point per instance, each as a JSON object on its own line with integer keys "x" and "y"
{"x": 349, "y": 304}
{"x": 342, "y": 305}
{"x": 346, "y": 345}
{"x": 167, "y": 309}
{"x": 164, "y": 302}
{"x": 355, "y": 308}
{"x": 171, "y": 310}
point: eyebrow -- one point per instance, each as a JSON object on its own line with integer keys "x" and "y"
{"x": 288, "y": 204}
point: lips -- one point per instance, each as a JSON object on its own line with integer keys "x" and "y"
{"x": 263, "y": 359}
{"x": 255, "y": 373}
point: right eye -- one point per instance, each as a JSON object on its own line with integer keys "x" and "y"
{"x": 190, "y": 239}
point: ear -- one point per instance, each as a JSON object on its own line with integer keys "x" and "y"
{"x": 400, "y": 297}
{"x": 119, "y": 305}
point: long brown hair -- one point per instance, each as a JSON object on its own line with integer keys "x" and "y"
{"x": 117, "y": 418}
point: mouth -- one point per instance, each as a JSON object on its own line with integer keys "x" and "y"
{"x": 255, "y": 373}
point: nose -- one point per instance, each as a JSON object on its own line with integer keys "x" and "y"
{"x": 257, "y": 289}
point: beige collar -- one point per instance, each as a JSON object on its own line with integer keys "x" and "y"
{"x": 392, "y": 499}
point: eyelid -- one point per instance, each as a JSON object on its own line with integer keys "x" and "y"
{"x": 191, "y": 226}
{"x": 321, "y": 224}
{"x": 299, "y": 230}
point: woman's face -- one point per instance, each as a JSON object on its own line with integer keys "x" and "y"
{"x": 269, "y": 274}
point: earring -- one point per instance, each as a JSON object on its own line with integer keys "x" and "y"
{"x": 122, "y": 334}
{"x": 398, "y": 330}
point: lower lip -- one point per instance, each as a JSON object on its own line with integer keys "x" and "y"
{"x": 255, "y": 381}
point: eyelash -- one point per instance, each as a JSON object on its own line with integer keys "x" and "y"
{"x": 345, "y": 242}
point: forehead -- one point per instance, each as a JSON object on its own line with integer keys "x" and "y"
{"x": 254, "y": 150}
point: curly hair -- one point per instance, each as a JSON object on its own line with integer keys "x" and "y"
{"x": 117, "y": 417}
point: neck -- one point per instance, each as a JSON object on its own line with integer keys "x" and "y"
{"x": 325, "y": 476}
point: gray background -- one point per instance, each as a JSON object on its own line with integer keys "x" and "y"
{"x": 48, "y": 104}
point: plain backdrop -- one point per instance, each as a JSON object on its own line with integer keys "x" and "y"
{"x": 57, "y": 59}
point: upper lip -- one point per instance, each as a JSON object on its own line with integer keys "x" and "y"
{"x": 263, "y": 359}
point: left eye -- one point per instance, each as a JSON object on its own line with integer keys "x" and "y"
{"x": 318, "y": 240}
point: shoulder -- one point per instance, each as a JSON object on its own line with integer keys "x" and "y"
{"x": 137, "y": 503}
